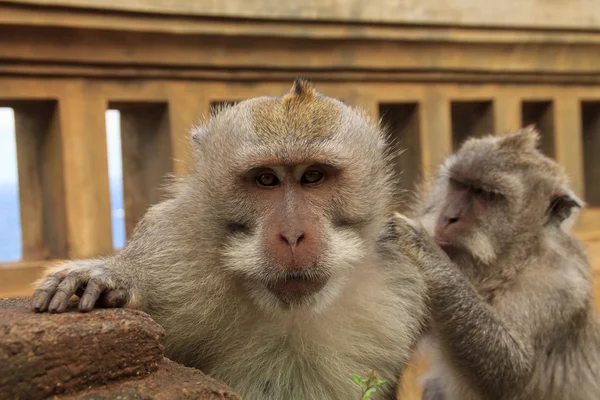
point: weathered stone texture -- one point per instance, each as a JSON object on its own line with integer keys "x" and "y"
{"x": 171, "y": 381}
{"x": 105, "y": 354}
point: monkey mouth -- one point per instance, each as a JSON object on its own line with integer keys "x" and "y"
{"x": 292, "y": 287}
{"x": 452, "y": 248}
{"x": 444, "y": 243}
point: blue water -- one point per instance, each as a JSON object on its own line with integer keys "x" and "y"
{"x": 10, "y": 223}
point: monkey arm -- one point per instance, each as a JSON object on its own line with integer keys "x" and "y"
{"x": 471, "y": 330}
{"x": 116, "y": 281}
{"x": 523, "y": 322}
{"x": 432, "y": 390}
{"x": 468, "y": 327}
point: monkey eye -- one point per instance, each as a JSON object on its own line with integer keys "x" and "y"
{"x": 311, "y": 177}
{"x": 458, "y": 184}
{"x": 479, "y": 191}
{"x": 267, "y": 179}
{"x": 486, "y": 194}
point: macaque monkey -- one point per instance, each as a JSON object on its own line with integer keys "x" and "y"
{"x": 511, "y": 294}
{"x": 271, "y": 266}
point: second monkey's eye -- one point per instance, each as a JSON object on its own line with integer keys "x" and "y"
{"x": 311, "y": 177}
{"x": 267, "y": 179}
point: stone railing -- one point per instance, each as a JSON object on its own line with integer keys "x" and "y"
{"x": 163, "y": 64}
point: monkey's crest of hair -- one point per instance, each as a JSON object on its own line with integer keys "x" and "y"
{"x": 527, "y": 138}
{"x": 523, "y": 142}
{"x": 302, "y": 110}
{"x": 517, "y": 151}
{"x": 302, "y": 87}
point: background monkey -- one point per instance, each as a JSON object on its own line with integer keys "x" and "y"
{"x": 270, "y": 266}
{"x": 511, "y": 297}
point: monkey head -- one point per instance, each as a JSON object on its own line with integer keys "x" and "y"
{"x": 495, "y": 192}
{"x": 297, "y": 187}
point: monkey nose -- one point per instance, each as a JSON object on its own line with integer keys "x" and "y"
{"x": 292, "y": 238}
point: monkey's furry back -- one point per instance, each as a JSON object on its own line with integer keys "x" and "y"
{"x": 569, "y": 365}
{"x": 174, "y": 258}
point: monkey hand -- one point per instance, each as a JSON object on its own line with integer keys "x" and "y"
{"x": 91, "y": 280}
{"x": 416, "y": 244}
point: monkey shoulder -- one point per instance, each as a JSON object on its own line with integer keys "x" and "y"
{"x": 559, "y": 263}
{"x": 550, "y": 299}
{"x": 562, "y": 248}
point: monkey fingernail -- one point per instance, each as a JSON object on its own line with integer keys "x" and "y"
{"x": 62, "y": 306}
{"x": 85, "y": 305}
{"x": 54, "y": 304}
{"x": 38, "y": 301}
{"x": 59, "y": 302}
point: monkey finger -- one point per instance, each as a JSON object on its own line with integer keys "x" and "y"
{"x": 66, "y": 289}
{"x": 404, "y": 234}
{"x": 42, "y": 296}
{"x": 403, "y": 220}
{"x": 92, "y": 291}
{"x": 41, "y": 299}
{"x": 114, "y": 299}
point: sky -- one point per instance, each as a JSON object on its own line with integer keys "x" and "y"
{"x": 8, "y": 152}
{"x": 10, "y": 233}
{"x": 8, "y": 148}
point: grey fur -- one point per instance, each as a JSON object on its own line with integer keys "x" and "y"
{"x": 193, "y": 265}
{"x": 513, "y": 314}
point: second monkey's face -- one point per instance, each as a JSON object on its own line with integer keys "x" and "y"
{"x": 493, "y": 195}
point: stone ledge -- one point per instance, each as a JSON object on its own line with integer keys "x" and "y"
{"x": 171, "y": 381}
{"x": 104, "y": 354}
{"x": 576, "y": 14}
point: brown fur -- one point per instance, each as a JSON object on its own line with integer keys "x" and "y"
{"x": 200, "y": 262}
{"x": 512, "y": 303}
{"x": 303, "y": 111}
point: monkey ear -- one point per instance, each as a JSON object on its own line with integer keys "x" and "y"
{"x": 562, "y": 204}
{"x": 527, "y": 137}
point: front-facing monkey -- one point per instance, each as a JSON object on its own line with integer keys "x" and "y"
{"x": 511, "y": 292}
{"x": 270, "y": 267}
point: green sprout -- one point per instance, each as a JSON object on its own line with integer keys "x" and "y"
{"x": 369, "y": 384}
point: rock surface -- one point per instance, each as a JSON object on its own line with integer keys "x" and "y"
{"x": 104, "y": 354}
{"x": 171, "y": 381}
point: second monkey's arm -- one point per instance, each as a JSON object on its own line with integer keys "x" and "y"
{"x": 496, "y": 357}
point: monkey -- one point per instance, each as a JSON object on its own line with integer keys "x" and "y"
{"x": 510, "y": 287}
{"x": 270, "y": 265}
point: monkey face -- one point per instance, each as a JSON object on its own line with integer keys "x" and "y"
{"x": 295, "y": 253}
{"x": 494, "y": 192}
{"x": 292, "y": 237}
{"x": 300, "y": 187}
{"x": 466, "y": 220}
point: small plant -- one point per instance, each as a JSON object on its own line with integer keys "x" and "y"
{"x": 369, "y": 384}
